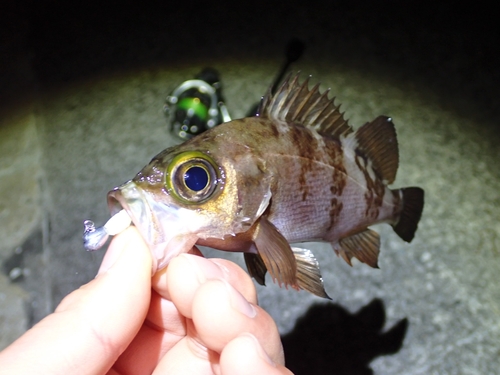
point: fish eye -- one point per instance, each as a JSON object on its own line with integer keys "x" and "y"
{"x": 192, "y": 177}
{"x": 196, "y": 178}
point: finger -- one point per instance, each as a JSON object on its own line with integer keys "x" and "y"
{"x": 163, "y": 329}
{"x": 186, "y": 273}
{"x": 220, "y": 314}
{"x": 238, "y": 278}
{"x": 93, "y": 324}
{"x": 245, "y": 356}
{"x": 188, "y": 357}
{"x": 165, "y": 324}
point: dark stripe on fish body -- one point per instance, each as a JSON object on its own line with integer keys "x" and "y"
{"x": 275, "y": 130}
{"x": 307, "y": 147}
{"x": 333, "y": 150}
{"x": 336, "y": 158}
{"x": 335, "y": 210}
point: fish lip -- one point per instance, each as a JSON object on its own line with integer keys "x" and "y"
{"x": 116, "y": 203}
{"x": 131, "y": 198}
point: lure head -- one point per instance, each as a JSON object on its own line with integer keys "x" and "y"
{"x": 186, "y": 194}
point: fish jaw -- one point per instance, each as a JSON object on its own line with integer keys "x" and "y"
{"x": 162, "y": 226}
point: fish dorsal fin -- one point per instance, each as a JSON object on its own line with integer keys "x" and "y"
{"x": 377, "y": 140}
{"x": 294, "y": 102}
{"x": 363, "y": 245}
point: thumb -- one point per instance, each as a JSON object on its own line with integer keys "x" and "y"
{"x": 93, "y": 325}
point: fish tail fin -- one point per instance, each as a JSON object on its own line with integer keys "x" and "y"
{"x": 413, "y": 204}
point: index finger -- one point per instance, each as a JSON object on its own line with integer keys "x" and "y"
{"x": 187, "y": 272}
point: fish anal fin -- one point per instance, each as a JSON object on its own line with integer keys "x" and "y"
{"x": 256, "y": 267}
{"x": 413, "y": 205}
{"x": 363, "y": 246}
{"x": 308, "y": 273}
{"x": 295, "y": 102}
{"x": 378, "y": 141}
{"x": 276, "y": 253}
{"x": 343, "y": 254}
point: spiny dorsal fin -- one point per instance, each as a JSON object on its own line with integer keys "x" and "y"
{"x": 364, "y": 246}
{"x": 294, "y": 102}
{"x": 378, "y": 141}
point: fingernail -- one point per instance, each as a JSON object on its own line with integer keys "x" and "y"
{"x": 203, "y": 268}
{"x": 238, "y": 302}
{"x": 119, "y": 244}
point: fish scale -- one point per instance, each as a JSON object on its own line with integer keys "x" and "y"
{"x": 298, "y": 218}
{"x": 297, "y": 172}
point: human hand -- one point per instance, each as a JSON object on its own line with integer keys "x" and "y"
{"x": 197, "y": 316}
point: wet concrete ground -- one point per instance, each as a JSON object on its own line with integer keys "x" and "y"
{"x": 93, "y": 86}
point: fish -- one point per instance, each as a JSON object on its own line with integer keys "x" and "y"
{"x": 296, "y": 172}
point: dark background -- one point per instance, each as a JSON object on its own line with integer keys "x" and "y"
{"x": 430, "y": 44}
{"x": 449, "y": 49}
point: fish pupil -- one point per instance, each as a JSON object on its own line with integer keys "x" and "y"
{"x": 196, "y": 178}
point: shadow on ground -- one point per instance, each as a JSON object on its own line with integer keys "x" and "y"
{"x": 330, "y": 339}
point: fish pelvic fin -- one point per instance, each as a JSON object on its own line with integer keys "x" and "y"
{"x": 413, "y": 205}
{"x": 276, "y": 253}
{"x": 294, "y": 102}
{"x": 308, "y": 273}
{"x": 256, "y": 267}
{"x": 377, "y": 140}
{"x": 365, "y": 246}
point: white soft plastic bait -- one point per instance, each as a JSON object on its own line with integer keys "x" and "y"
{"x": 95, "y": 238}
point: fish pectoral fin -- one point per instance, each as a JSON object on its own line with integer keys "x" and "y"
{"x": 363, "y": 245}
{"x": 308, "y": 273}
{"x": 276, "y": 254}
{"x": 256, "y": 267}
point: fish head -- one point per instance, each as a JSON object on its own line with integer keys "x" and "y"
{"x": 185, "y": 194}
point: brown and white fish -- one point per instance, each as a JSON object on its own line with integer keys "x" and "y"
{"x": 297, "y": 172}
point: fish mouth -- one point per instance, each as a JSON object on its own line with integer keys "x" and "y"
{"x": 157, "y": 222}
{"x": 132, "y": 199}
